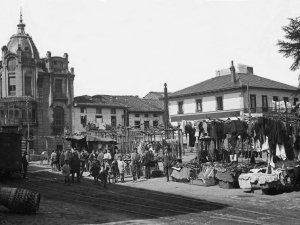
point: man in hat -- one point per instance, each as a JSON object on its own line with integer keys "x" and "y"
{"x": 167, "y": 158}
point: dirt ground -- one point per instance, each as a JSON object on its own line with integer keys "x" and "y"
{"x": 152, "y": 201}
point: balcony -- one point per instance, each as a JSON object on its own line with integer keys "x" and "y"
{"x": 60, "y": 96}
{"x": 17, "y": 122}
{"x": 269, "y": 110}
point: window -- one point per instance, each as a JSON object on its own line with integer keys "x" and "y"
{"x": 58, "y": 120}
{"x": 146, "y": 125}
{"x": 199, "y": 105}
{"x": 219, "y": 103}
{"x": 82, "y": 109}
{"x": 98, "y": 110}
{"x": 11, "y": 64}
{"x": 295, "y": 101}
{"x": 155, "y": 123}
{"x": 253, "y": 103}
{"x": 137, "y": 124}
{"x": 154, "y": 115}
{"x": 113, "y": 111}
{"x": 265, "y": 103}
{"x": 113, "y": 121}
{"x": 12, "y": 86}
{"x": 146, "y": 115}
{"x": 28, "y": 86}
{"x": 180, "y": 107}
{"x": 99, "y": 119}
{"x": 58, "y": 88}
{"x": 136, "y": 115}
{"x": 275, "y": 98}
{"x": 285, "y": 99}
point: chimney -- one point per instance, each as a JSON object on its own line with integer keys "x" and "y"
{"x": 72, "y": 70}
{"x": 233, "y": 75}
{"x": 48, "y": 54}
{"x": 66, "y": 56}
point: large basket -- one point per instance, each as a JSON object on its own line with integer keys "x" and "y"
{"x": 20, "y": 200}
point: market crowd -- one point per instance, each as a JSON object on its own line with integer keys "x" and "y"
{"x": 107, "y": 166}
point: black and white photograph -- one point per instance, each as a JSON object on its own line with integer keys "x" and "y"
{"x": 150, "y": 112}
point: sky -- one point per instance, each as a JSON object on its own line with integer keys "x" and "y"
{"x": 132, "y": 47}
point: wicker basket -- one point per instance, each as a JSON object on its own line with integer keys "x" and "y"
{"x": 20, "y": 200}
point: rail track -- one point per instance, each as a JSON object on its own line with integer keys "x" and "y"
{"x": 184, "y": 200}
{"x": 167, "y": 211}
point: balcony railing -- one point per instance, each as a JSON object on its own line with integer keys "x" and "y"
{"x": 17, "y": 122}
{"x": 269, "y": 110}
{"x": 59, "y": 95}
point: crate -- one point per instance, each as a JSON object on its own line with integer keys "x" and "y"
{"x": 225, "y": 185}
{"x": 207, "y": 182}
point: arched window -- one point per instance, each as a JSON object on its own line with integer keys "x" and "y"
{"x": 58, "y": 120}
{"x": 11, "y": 64}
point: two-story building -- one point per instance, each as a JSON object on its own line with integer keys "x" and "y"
{"x": 101, "y": 110}
{"x": 230, "y": 94}
{"x": 35, "y": 91}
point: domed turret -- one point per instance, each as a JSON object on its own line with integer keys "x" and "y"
{"x": 24, "y": 40}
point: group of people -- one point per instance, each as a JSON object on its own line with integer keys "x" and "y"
{"x": 105, "y": 165}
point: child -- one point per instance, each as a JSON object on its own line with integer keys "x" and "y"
{"x": 66, "y": 172}
{"x": 95, "y": 169}
{"x": 121, "y": 166}
{"x": 103, "y": 176}
{"x": 114, "y": 171}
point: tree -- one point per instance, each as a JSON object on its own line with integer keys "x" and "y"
{"x": 291, "y": 48}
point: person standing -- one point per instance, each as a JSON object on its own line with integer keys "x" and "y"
{"x": 58, "y": 155}
{"x": 167, "y": 163}
{"x": 91, "y": 159}
{"x": 66, "y": 172}
{"x": 24, "y": 164}
{"x": 86, "y": 159}
{"x": 103, "y": 177}
{"x": 117, "y": 154}
{"x": 53, "y": 161}
{"x": 135, "y": 158}
{"x": 62, "y": 159}
{"x": 75, "y": 167}
{"x": 121, "y": 166}
{"x": 100, "y": 158}
{"x": 147, "y": 164}
{"x": 95, "y": 169}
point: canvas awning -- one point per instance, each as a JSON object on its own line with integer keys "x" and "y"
{"x": 99, "y": 139}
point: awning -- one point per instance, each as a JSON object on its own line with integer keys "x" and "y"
{"x": 99, "y": 139}
{"x": 75, "y": 137}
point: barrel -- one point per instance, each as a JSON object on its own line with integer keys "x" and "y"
{"x": 20, "y": 200}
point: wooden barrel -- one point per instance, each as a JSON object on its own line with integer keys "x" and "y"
{"x": 20, "y": 200}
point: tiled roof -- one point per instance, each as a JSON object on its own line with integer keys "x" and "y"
{"x": 224, "y": 83}
{"x": 134, "y": 103}
{"x": 86, "y": 100}
{"x": 154, "y": 95}
{"x": 156, "y": 102}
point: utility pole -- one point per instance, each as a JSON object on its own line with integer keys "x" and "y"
{"x": 27, "y": 109}
{"x": 166, "y": 112}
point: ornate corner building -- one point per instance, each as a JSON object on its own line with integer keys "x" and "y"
{"x": 35, "y": 91}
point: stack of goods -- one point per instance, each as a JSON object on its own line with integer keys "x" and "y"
{"x": 206, "y": 177}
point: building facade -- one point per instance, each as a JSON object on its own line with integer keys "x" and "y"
{"x": 101, "y": 110}
{"x": 35, "y": 91}
{"x": 231, "y": 94}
